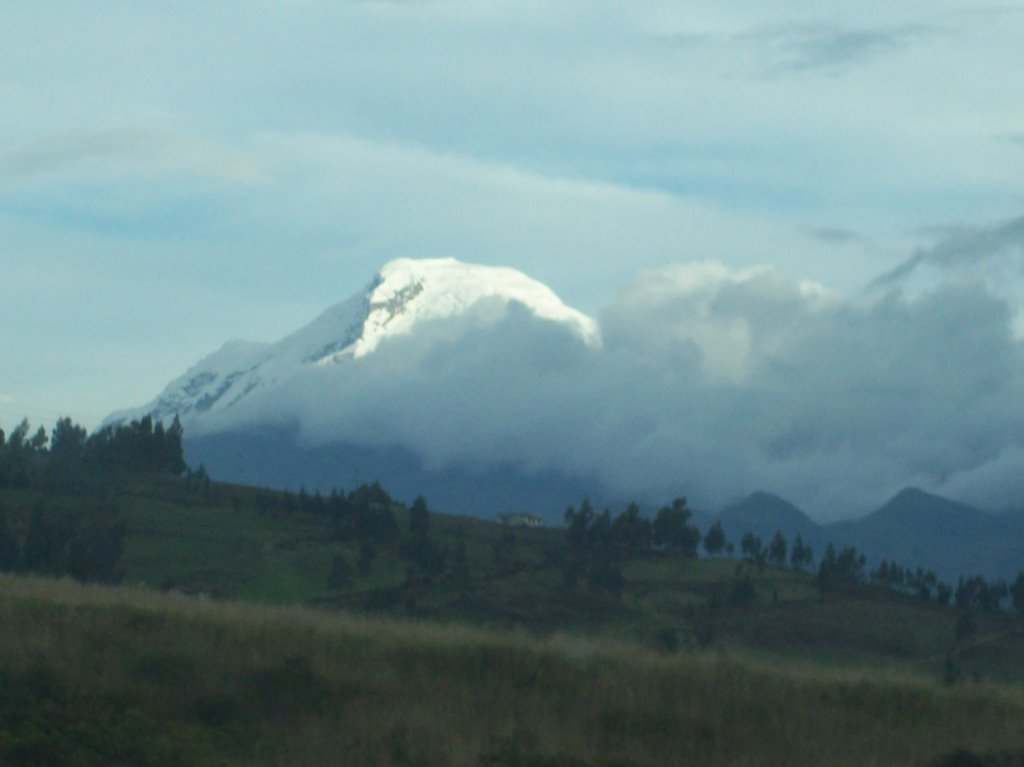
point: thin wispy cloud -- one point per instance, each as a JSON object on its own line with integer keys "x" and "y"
{"x": 830, "y": 47}
{"x": 819, "y": 46}
{"x": 835, "y": 236}
{"x": 965, "y": 247}
{"x": 131, "y": 151}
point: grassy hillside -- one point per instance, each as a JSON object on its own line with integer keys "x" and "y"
{"x": 115, "y": 676}
{"x": 222, "y": 541}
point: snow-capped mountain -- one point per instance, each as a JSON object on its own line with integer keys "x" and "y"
{"x": 404, "y": 295}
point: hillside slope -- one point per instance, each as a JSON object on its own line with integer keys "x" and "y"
{"x": 101, "y": 676}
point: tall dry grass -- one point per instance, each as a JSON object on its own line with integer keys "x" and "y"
{"x": 229, "y": 683}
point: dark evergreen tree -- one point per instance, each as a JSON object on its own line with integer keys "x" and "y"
{"x": 67, "y": 469}
{"x": 8, "y": 544}
{"x": 601, "y": 531}
{"x": 672, "y": 531}
{"x": 751, "y": 546}
{"x": 419, "y": 518}
{"x": 174, "y": 449}
{"x": 714, "y": 539}
{"x": 39, "y": 441}
{"x": 19, "y": 437}
{"x": 630, "y": 530}
{"x": 577, "y": 525}
{"x": 67, "y": 443}
{"x": 840, "y": 570}
{"x": 778, "y": 549}
{"x": 1017, "y": 593}
{"x": 943, "y": 593}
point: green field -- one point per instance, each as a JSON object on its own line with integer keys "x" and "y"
{"x": 229, "y": 642}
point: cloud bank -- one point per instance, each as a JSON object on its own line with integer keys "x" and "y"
{"x": 711, "y": 383}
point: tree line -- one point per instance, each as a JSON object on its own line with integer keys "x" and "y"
{"x": 78, "y": 530}
{"x": 598, "y": 542}
{"x": 69, "y": 459}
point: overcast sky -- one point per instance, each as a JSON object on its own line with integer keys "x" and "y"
{"x": 176, "y": 175}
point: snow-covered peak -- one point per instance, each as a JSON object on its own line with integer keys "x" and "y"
{"x": 408, "y": 291}
{"x": 404, "y": 294}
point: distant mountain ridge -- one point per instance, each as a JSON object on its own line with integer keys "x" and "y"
{"x": 764, "y": 513}
{"x": 913, "y": 528}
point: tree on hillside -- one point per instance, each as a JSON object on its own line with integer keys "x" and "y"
{"x": 67, "y": 453}
{"x": 19, "y": 437}
{"x": 672, "y": 531}
{"x": 175, "y": 453}
{"x": 751, "y": 546}
{"x": 777, "y": 550}
{"x": 1017, "y": 593}
{"x": 67, "y": 443}
{"x": 18, "y": 457}
{"x": 601, "y": 530}
{"x": 39, "y": 441}
{"x": 8, "y": 544}
{"x": 630, "y": 530}
{"x": 843, "y": 569}
{"x": 714, "y": 539}
{"x": 976, "y": 592}
{"x": 419, "y": 518}
{"x": 577, "y": 524}
{"x": 802, "y": 556}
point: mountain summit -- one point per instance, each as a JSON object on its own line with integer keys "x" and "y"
{"x": 404, "y": 296}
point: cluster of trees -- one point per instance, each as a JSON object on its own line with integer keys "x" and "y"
{"x": 976, "y": 593}
{"x": 670, "y": 529}
{"x": 597, "y": 542}
{"x": 776, "y": 553}
{"x": 923, "y": 583}
{"x": 843, "y": 569}
{"x": 366, "y": 513}
{"x": 85, "y": 543}
{"x": 83, "y": 538}
{"x": 69, "y": 458}
{"x": 369, "y": 516}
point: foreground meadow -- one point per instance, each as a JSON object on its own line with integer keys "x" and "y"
{"x": 112, "y": 676}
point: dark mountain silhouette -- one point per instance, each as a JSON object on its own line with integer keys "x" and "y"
{"x": 913, "y": 528}
{"x": 918, "y": 528}
{"x": 763, "y": 514}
